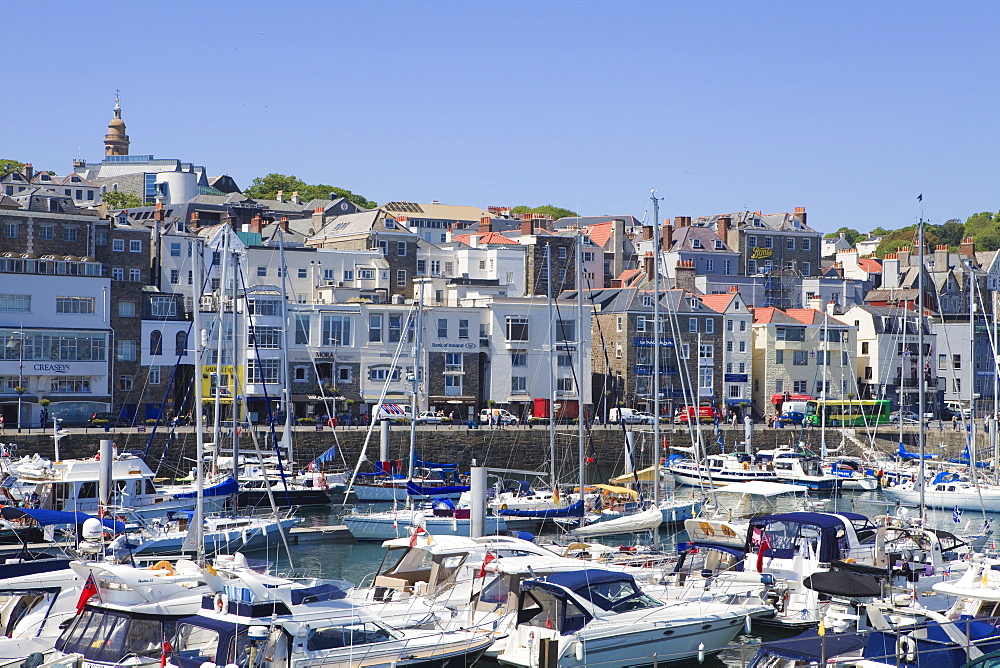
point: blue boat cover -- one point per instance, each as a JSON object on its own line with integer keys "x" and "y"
{"x": 577, "y": 580}
{"x": 810, "y": 646}
{"x": 432, "y": 465}
{"x": 574, "y": 510}
{"x": 53, "y": 517}
{"x": 224, "y": 488}
{"x": 783, "y": 541}
{"x": 332, "y": 590}
{"x": 413, "y": 489}
{"x": 903, "y": 453}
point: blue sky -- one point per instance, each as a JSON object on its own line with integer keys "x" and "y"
{"x": 850, "y": 109}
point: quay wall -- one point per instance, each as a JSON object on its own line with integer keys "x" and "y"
{"x": 513, "y": 448}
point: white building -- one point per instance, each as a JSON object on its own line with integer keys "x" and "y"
{"x": 737, "y": 357}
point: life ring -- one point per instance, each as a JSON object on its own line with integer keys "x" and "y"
{"x": 163, "y": 566}
{"x": 503, "y": 506}
{"x": 220, "y": 602}
{"x": 906, "y": 649}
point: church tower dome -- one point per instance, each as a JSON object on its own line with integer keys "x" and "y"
{"x": 116, "y": 141}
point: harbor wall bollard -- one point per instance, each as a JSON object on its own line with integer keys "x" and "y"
{"x": 477, "y": 489}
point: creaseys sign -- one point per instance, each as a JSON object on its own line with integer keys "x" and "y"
{"x": 51, "y": 368}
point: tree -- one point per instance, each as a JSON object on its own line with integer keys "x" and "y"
{"x": 547, "y": 210}
{"x": 267, "y": 187}
{"x": 849, "y": 234}
{"x": 119, "y": 199}
{"x": 950, "y": 233}
{"x": 8, "y": 166}
{"x": 880, "y": 231}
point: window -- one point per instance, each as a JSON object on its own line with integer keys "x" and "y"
{"x": 395, "y": 328}
{"x": 175, "y": 276}
{"x": 768, "y": 242}
{"x": 453, "y": 361}
{"x": 70, "y": 234}
{"x": 118, "y": 245}
{"x": 344, "y": 374}
{"x": 265, "y": 337}
{"x": 565, "y": 330}
{"x": 336, "y": 330}
{"x": 779, "y": 385}
{"x": 942, "y": 359}
{"x": 806, "y": 268}
{"x": 618, "y": 351}
{"x": 806, "y": 245}
{"x": 299, "y": 373}
{"x": 301, "y": 330}
{"x": 15, "y": 303}
{"x": 564, "y": 384}
{"x": 561, "y": 254}
{"x": 751, "y": 240}
{"x": 401, "y": 249}
{"x": 442, "y": 328}
{"x": 125, "y": 383}
{"x": 74, "y": 304}
{"x": 155, "y": 342}
{"x": 382, "y": 373}
{"x": 463, "y": 329}
{"x": 735, "y": 392}
{"x": 328, "y": 275}
{"x": 518, "y": 359}
{"x": 517, "y": 328}
{"x": 692, "y": 324}
{"x": 263, "y": 371}
{"x": 384, "y": 246}
{"x": 696, "y": 243}
{"x": 365, "y": 274}
{"x": 779, "y": 356}
{"x": 729, "y": 346}
{"x": 709, "y": 326}
{"x": 822, "y": 387}
{"x": 751, "y": 267}
{"x": 843, "y": 358}
{"x": 743, "y": 325}
{"x": 743, "y": 367}
{"x": 163, "y": 306}
{"x": 400, "y": 278}
{"x": 348, "y": 274}
{"x": 126, "y": 350}
{"x": 800, "y": 386}
{"x": 70, "y": 384}
{"x": 705, "y": 377}
{"x": 956, "y": 361}
{"x": 303, "y": 272}
{"x": 47, "y": 232}
{"x": 374, "y": 328}
{"x": 117, "y": 274}
{"x": 791, "y": 333}
{"x": 135, "y": 275}
{"x": 135, "y": 246}
{"x": 619, "y": 323}
{"x": 175, "y": 249}
{"x": 790, "y": 243}
{"x": 263, "y": 307}
{"x": 743, "y": 346}
{"x": 729, "y": 325}
{"x": 800, "y": 357}
{"x": 262, "y": 271}
{"x": 706, "y": 354}
{"x": 518, "y": 384}
{"x": 640, "y": 324}
{"x": 180, "y": 343}
{"x": 685, "y": 351}
{"x": 822, "y": 359}
{"x": 958, "y": 385}
{"x": 10, "y": 230}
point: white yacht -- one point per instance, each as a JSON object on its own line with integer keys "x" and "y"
{"x": 721, "y": 470}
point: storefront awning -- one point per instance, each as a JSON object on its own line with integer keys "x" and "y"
{"x": 440, "y": 399}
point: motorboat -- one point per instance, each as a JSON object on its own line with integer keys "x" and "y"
{"x": 852, "y": 473}
{"x": 798, "y": 469}
{"x": 388, "y": 524}
{"x": 946, "y": 491}
{"x": 222, "y": 534}
{"x": 721, "y": 470}
{"x": 256, "y": 619}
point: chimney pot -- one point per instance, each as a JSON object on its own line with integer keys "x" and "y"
{"x": 527, "y": 225}
{"x": 280, "y": 196}
{"x": 295, "y": 197}
{"x": 667, "y": 237}
{"x": 485, "y": 224}
{"x": 733, "y": 289}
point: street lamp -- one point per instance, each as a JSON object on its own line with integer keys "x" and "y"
{"x": 20, "y": 389}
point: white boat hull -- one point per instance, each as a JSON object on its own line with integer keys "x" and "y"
{"x": 989, "y": 501}
{"x": 248, "y": 538}
{"x": 698, "y": 477}
{"x": 384, "y": 526}
{"x": 380, "y": 493}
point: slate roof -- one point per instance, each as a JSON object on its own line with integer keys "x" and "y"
{"x": 436, "y": 210}
{"x": 751, "y": 219}
{"x": 684, "y": 237}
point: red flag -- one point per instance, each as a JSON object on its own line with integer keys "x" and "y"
{"x": 413, "y": 538}
{"x": 167, "y": 649}
{"x": 89, "y": 590}
{"x": 548, "y": 621}
{"x": 488, "y": 559}
{"x": 764, "y": 546}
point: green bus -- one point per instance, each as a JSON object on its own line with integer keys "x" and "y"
{"x": 847, "y": 412}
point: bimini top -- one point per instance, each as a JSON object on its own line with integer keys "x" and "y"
{"x": 786, "y": 533}
{"x": 577, "y": 580}
{"x": 810, "y": 646}
{"x": 823, "y": 520}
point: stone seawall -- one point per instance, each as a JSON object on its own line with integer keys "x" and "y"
{"x": 516, "y": 448}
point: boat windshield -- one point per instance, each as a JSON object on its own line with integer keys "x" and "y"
{"x": 347, "y": 635}
{"x": 619, "y": 596}
{"x": 109, "y": 636}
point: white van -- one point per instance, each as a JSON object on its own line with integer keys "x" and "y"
{"x": 393, "y": 412}
{"x": 958, "y": 408}
{"x": 624, "y": 415}
{"x": 500, "y": 416}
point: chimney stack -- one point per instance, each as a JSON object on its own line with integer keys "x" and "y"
{"x": 256, "y": 225}
{"x": 666, "y": 237}
{"x": 280, "y": 196}
{"x": 28, "y": 172}
{"x": 158, "y": 212}
{"x": 831, "y": 308}
{"x": 295, "y": 197}
{"x": 527, "y": 225}
{"x": 485, "y": 224}
{"x": 684, "y": 275}
{"x": 647, "y": 266}
{"x": 968, "y": 248}
{"x": 283, "y": 224}
{"x": 816, "y": 303}
{"x": 193, "y": 224}
{"x": 734, "y": 289}
{"x": 940, "y": 257}
{"x": 722, "y": 227}
{"x": 800, "y": 213}
{"x": 647, "y": 232}
{"x": 318, "y": 218}
{"x": 679, "y": 222}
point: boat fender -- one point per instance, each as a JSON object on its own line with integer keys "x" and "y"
{"x": 503, "y": 506}
{"x": 163, "y": 566}
{"x": 784, "y": 600}
{"x": 578, "y": 650}
{"x": 274, "y": 649}
{"x": 746, "y": 466}
{"x": 906, "y": 649}
{"x": 220, "y": 603}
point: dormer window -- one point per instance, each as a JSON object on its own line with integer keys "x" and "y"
{"x": 647, "y": 300}
{"x": 718, "y": 244}
{"x": 696, "y": 243}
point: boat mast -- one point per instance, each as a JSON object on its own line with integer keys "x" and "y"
{"x": 996, "y": 387}
{"x": 656, "y": 358}
{"x": 417, "y": 355}
{"x": 581, "y": 371}
{"x": 286, "y": 400}
{"x": 220, "y": 338}
{"x": 920, "y": 368}
{"x": 552, "y": 372}
{"x": 199, "y": 510}
{"x": 823, "y": 395}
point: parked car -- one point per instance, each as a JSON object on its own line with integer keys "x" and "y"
{"x": 110, "y": 419}
{"x": 430, "y": 417}
{"x": 645, "y": 418}
{"x": 791, "y": 417}
{"x": 906, "y": 417}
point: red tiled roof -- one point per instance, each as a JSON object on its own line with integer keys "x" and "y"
{"x": 870, "y": 264}
{"x": 718, "y": 303}
{"x": 629, "y": 276}
{"x": 806, "y": 316}
{"x": 485, "y": 239}
{"x": 764, "y": 314}
{"x": 600, "y": 233}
